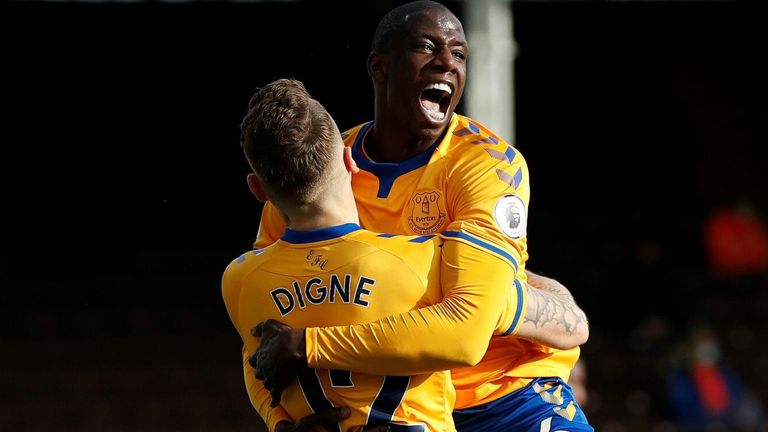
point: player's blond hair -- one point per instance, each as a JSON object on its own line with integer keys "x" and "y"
{"x": 288, "y": 139}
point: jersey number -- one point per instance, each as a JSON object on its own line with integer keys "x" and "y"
{"x": 382, "y": 409}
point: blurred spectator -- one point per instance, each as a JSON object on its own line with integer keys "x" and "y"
{"x": 578, "y": 382}
{"x": 737, "y": 242}
{"x": 705, "y": 395}
{"x": 652, "y": 337}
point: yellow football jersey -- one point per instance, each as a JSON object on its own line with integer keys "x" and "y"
{"x": 472, "y": 186}
{"x": 333, "y": 277}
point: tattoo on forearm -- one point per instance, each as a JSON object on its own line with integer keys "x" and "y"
{"x": 551, "y": 303}
{"x": 544, "y": 308}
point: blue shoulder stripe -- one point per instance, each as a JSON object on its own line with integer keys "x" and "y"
{"x": 519, "y": 311}
{"x": 421, "y": 239}
{"x": 474, "y": 240}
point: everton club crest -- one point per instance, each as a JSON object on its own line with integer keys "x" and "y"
{"x": 426, "y": 216}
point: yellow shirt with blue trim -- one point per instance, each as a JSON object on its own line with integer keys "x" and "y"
{"x": 335, "y": 277}
{"x": 473, "y": 187}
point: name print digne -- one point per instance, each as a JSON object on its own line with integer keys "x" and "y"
{"x": 316, "y": 291}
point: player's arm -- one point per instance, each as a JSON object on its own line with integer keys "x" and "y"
{"x": 260, "y": 398}
{"x": 451, "y": 333}
{"x": 486, "y": 194}
{"x": 552, "y": 310}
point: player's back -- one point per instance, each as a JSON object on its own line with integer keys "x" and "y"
{"x": 339, "y": 276}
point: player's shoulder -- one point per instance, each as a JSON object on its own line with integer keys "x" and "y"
{"x": 417, "y": 254}
{"x": 401, "y": 246}
{"x": 472, "y": 140}
{"x": 479, "y": 157}
{"x": 247, "y": 262}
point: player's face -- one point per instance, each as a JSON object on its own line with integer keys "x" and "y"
{"x": 427, "y": 71}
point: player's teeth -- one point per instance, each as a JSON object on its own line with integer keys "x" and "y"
{"x": 440, "y": 86}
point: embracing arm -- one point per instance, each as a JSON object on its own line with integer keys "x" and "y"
{"x": 552, "y": 317}
{"x": 231, "y": 288}
{"x": 449, "y": 334}
{"x": 278, "y": 420}
{"x": 261, "y": 398}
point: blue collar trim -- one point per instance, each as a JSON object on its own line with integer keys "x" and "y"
{"x": 317, "y": 235}
{"x": 387, "y": 173}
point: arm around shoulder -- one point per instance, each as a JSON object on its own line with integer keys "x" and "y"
{"x": 451, "y": 333}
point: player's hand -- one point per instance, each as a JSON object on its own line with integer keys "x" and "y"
{"x": 281, "y": 353}
{"x": 323, "y": 421}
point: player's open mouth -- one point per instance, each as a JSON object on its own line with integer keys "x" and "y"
{"x": 435, "y": 100}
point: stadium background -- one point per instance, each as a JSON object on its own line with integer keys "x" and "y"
{"x": 124, "y": 193}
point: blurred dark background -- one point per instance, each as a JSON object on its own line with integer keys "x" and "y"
{"x": 124, "y": 193}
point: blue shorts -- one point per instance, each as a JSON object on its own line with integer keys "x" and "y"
{"x": 544, "y": 405}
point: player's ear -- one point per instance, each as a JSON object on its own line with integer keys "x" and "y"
{"x": 376, "y": 67}
{"x": 255, "y": 186}
{"x": 349, "y": 161}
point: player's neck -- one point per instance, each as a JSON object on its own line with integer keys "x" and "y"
{"x": 320, "y": 221}
{"x": 335, "y": 207}
{"x": 391, "y": 145}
